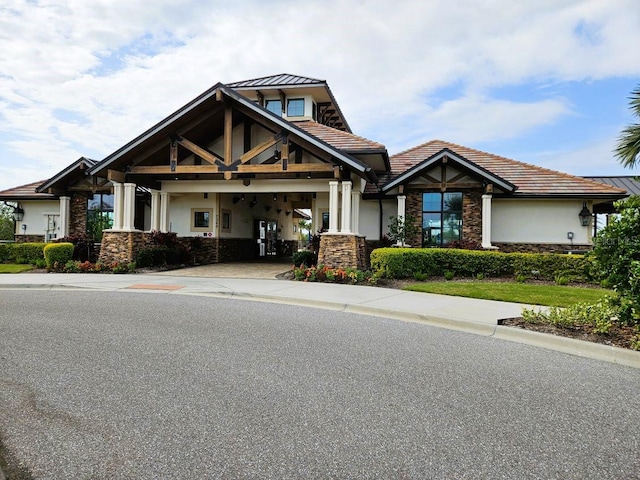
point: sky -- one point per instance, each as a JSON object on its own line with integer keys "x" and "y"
{"x": 544, "y": 82}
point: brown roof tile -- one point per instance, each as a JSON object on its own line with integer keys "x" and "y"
{"x": 529, "y": 179}
{"x": 345, "y": 141}
{"x": 25, "y": 192}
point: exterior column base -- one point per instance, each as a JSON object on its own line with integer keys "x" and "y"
{"x": 122, "y": 246}
{"x": 340, "y": 250}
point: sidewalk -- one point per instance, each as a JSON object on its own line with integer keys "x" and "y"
{"x": 456, "y": 313}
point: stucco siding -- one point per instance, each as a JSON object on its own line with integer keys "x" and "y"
{"x": 538, "y": 221}
{"x": 35, "y": 217}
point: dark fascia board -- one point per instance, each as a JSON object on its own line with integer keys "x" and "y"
{"x": 435, "y": 158}
{"x": 373, "y": 151}
{"x": 155, "y": 129}
{"x": 62, "y": 174}
{"x": 567, "y": 196}
{"x": 339, "y": 155}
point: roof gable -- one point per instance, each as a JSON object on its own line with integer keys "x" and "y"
{"x": 279, "y": 80}
{"x": 70, "y": 174}
{"x": 529, "y": 180}
{"x": 461, "y": 161}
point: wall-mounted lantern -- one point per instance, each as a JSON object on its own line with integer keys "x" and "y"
{"x": 585, "y": 215}
{"x": 18, "y": 213}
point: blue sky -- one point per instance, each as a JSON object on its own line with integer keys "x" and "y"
{"x": 543, "y": 82}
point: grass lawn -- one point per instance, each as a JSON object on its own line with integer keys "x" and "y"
{"x": 550, "y": 295}
{"x": 14, "y": 268}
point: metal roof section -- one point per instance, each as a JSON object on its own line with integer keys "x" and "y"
{"x": 83, "y": 163}
{"x": 358, "y": 166}
{"x": 451, "y": 155}
{"x": 285, "y": 81}
{"x": 275, "y": 81}
{"x": 630, "y": 183}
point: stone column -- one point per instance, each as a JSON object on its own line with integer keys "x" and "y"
{"x": 129, "y": 207}
{"x": 118, "y": 203}
{"x": 65, "y": 203}
{"x": 333, "y": 206}
{"x": 155, "y": 210}
{"x": 486, "y": 222}
{"x": 355, "y": 211}
{"x": 345, "y": 225}
{"x": 164, "y": 211}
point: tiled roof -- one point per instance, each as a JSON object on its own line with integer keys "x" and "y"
{"x": 345, "y": 141}
{"x": 627, "y": 182}
{"x": 25, "y": 192}
{"x": 529, "y": 179}
{"x": 282, "y": 79}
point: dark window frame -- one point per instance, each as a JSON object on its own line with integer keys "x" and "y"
{"x": 439, "y": 236}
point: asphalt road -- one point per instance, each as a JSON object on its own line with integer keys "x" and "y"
{"x": 154, "y": 386}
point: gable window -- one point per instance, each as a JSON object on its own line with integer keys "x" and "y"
{"x": 441, "y": 218}
{"x": 201, "y": 219}
{"x": 295, "y": 107}
{"x": 274, "y": 106}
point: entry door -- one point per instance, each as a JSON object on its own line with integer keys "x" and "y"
{"x": 272, "y": 238}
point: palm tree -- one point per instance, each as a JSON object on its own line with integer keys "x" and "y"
{"x": 628, "y": 148}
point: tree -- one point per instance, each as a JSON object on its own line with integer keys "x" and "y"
{"x": 617, "y": 257}
{"x": 402, "y": 228}
{"x": 7, "y": 224}
{"x": 628, "y": 147}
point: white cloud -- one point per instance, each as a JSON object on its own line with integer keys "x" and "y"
{"x": 122, "y": 65}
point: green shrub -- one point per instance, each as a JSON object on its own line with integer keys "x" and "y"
{"x": 405, "y": 262}
{"x": 29, "y": 252}
{"x": 421, "y": 277}
{"x": 448, "y": 275}
{"x": 304, "y": 257}
{"x": 599, "y": 316}
{"x": 84, "y": 246}
{"x": 57, "y": 255}
{"x": 5, "y": 252}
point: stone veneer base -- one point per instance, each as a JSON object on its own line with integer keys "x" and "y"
{"x": 540, "y": 247}
{"x": 339, "y": 250}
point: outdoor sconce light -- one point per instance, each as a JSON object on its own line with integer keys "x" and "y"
{"x": 24, "y": 227}
{"x": 585, "y": 215}
{"x": 18, "y": 213}
{"x": 275, "y": 197}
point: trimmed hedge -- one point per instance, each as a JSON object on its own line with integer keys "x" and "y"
{"x": 28, "y": 252}
{"x": 305, "y": 257}
{"x": 432, "y": 262}
{"x": 58, "y": 254}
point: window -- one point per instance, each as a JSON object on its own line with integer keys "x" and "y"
{"x": 225, "y": 226}
{"x": 295, "y": 107}
{"x": 201, "y": 219}
{"x": 441, "y": 218}
{"x": 99, "y": 214}
{"x": 274, "y": 106}
{"x": 325, "y": 221}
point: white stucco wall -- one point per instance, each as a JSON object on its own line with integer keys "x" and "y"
{"x": 180, "y": 211}
{"x": 538, "y": 221}
{"x": 35, "y": 217}
{"x": 370, "y": 217}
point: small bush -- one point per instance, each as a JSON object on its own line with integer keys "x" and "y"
{"x": 28, "y": 252}
{"x": 57, "y": 255}
{"x": 448, "y": 275}
{"x": 83, "y": 246}
{"x": 599, "y": 316}
{"x": 305, "y": 257}
{"x": 421, "y": 277}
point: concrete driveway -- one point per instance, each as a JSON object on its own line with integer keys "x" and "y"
{"x": 259, "y": 269}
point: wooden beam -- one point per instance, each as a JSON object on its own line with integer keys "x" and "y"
{"x": 488, "y": 188}
{"x": 209, "y": 169}
{"x": 258, "y": 149}
{"x": 285, "y": 147}
{"x": 116, "y": 176}
{"x": 197, "y": 150}
{"x": 336, "y": 172}
{"x": 228, "y": 135}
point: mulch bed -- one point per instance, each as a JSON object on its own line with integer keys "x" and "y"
{"x": 618, "y": 336}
